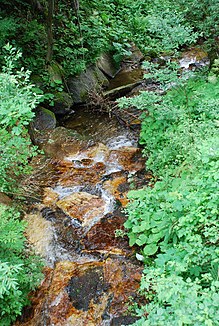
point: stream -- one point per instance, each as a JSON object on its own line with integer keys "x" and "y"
{"x": 90, "y": 274}
{"x": 78, "y": 192}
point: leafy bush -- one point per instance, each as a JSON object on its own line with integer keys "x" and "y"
{"x": 174, "y": 222}
{"x": 19, "y": 269}
{"x": 82, "y": 34}
{"x": 17, "y": 102}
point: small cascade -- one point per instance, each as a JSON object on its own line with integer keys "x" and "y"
{"x": 90, "y": 273}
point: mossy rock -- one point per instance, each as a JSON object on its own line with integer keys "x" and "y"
{"x": 44, "y": 122}
{"x": 88, "y": 81}
{"x": 56, "y": 72}
{"x": 62, "y": 103}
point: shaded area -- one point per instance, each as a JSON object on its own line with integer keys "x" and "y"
{"x": 86, "y": 288}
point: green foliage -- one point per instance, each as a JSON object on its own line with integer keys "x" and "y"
{"x": 81, "y": 35}
{"x": 19, "y": 271}
{"x": 174, "y": 222}
{"x": 17, "y": 102}
{"x": 8, "y": 26}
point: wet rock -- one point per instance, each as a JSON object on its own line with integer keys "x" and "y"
{"x": 50, "y": 197}
{"x": 129, "y": 157}
{"x": 123, "y": 320}
{"x": 99, "y": 151}
{"x": 83, "y": 206}
{"x": 39, "y": 233}
{"x": 84, "y": 294}
{"x": 86, "y": 288}
{"x": 194, "y": 58}
{"x": 75, "y": 176}
{"x": 102, "y": 237}
{"x": 118, "y": 188}
{"x": 107, "y": 65}
{"x": 61, "y": 141}
{"x": 124, "y": 278}
{"x": 44, "y": 122}
{"x": 84, "y": 167}
{"x": 90, "y": 80}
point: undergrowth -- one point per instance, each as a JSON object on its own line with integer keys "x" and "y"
{"x": 175, "y": 222}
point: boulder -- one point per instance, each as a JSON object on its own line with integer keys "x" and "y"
{"x": 43, "y": 123}
{"x": 44, "y": 119}
{"x": 62, "y": 103}
{"x": 107, "y": 65}
{"x": 88, "y": 81}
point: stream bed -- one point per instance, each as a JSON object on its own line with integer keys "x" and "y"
{"x": 91, "y": 275}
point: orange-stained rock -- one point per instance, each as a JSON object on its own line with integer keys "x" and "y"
{"x": 50, "y": 197}
{"x": 102, "y": 237}
{"x": 118, "y": 188}
{"x": 129, "y": 158}
{"x": 99, "y": 152}
{"x": 74, "y": 174}
{"x": 124, "y": 278}
{"x": 82, "y": 206}
{"x": 83, "y": 294}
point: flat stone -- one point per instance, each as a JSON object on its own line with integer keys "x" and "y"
{"x": 102, "y": 237}
{"x": 82, "y": 206}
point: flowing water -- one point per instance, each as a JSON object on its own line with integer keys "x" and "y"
{"x": 90, "y": 272}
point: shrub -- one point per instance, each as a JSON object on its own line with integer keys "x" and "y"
{"x": 174, "y": 222}
{"x": 20, "y": 271}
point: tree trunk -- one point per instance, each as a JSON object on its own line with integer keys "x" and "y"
{"x": 50, "y": 31}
